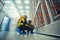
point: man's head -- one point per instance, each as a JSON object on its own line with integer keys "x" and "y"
{"x": 30, "y": 21}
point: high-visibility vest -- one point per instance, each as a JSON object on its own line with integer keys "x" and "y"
{"x": 19, "y": 24}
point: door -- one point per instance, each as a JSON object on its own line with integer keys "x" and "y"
{"x": 5, "y": 24}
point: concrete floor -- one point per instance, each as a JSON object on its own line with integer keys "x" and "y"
{"x": 36, "y": 37}
{"x": 14, "y": 36}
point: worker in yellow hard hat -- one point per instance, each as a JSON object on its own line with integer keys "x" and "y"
{"x": 22, "y": 23}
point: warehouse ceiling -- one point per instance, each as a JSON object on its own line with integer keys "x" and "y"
{"x": 15, "y": 8}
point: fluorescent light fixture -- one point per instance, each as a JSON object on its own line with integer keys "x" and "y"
{"x": 27, "y": 2}
{"x": 27, "y": 14}
{"x": 27, "y": 10}
{"x": 27, "y": 7}
{"x": 22, "y": 13}
{"x": 20, "y": 7}
{"x": 18, "y": 1}
{"x": 21, "y": 10}
{"x": 7, "y": 1}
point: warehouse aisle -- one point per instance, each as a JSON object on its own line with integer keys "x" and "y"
{"x": 44, "y": 15}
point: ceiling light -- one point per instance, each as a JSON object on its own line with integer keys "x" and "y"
{"x": 7, "y": 1}
{"x": 20, "y": 7}
{"x": 27, "y": 10}
{"x": 26, "y": 1}
{"x": 18, "y": 2}
{"x": 27, "y": 14}
{"x": 21, "y": 11}
{"x": 27, "y": 7}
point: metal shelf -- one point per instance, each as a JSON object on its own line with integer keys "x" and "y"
{"x": 1, "y": 5}
{"x": 37, "y": 8}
